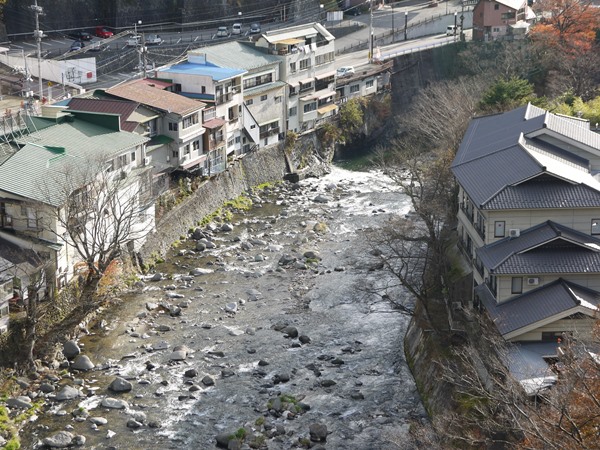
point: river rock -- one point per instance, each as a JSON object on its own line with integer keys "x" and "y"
{"x": 226, "y": 227}
{"x": 178, "y": 355}
{"x": 62, "y": 439}
{"x": 120, "y": 385}
{"x": 286, "y": 259}
{"x": 156, "y": 277}
{"x": 82, "y": 362}
{"x": 200, "y": 246}
{"x": 67, "y": 393}
{"x": 98, "y": 420}
{"x": 162, "y": 345}
{"x": 304, "y": 339}
{"x": 198, "y": 234}
{"x": 312, "y": 254}
{"x": 21, "y": 402}
{"x": 133, "y": 424}
{"x": 174, "y": 295}
{"x": 46, "y": 388}
{"x": 318, "y": 432}
{"x": 151, "y": 306}
{"x": 321, "y": 198}
{"x": 71, "y": 349}
{"x": 231, "y": 307}
{"x": 290, "y": 332}
{"x": 246, "y": 246}
{"x": 110, "y": 434}
{"x": 254, "y": 295}
{"x": 208, "y": 381}
{"x": 191, "y": 373}
{"x": 114, "y": 403}
{"x": 198, "y": 271}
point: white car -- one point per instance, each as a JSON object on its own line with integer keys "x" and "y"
{"x": 254, "y": 28}
{"x": 222, "y": 32}
{"x": 153, "y": 39}
{"x": 236, "y": 28}
{"x": 346, "y": 71}
{"x": 134, "y": 40}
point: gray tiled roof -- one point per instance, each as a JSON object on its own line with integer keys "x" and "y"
{"x": 558, "y": 297}
{"x": 503, "y": 150}
{"x": 544, "y": 192}
{"x": 546, "y": 248}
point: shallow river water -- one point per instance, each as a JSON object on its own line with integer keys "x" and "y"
{"x": 347, "y": 362}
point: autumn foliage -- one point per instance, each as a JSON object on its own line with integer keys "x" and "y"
{"x": 570, "y": 24}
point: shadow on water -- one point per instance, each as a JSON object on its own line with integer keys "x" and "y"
{"x": 356, "y": 156}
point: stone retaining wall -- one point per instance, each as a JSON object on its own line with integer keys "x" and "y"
{"x": 263, "y": 166}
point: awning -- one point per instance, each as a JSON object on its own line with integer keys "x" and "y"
{"x": 326, "y": 109}
{"x": 290, "y": 41}
{"x": 325, "y": 75}
{"x": 214, "y": 123}
{"x": 329, "y": 94}
{"x": 194, "y": 162}
{"x": 307, "y": 80}
{"x": 308, "y": 98}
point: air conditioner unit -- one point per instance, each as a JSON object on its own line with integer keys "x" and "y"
{"x": 147, "y": 161}
{"x": 168, "y": 158}
{"x": 514, "y": 232}
{"x": 533, "y": 281}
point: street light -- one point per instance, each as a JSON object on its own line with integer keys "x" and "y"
{"x": 454, "y": 23}
{"x": 405, "y": 25}
{"x": 321, "y": 8}
{"x": 135, "y": 24}
{"x": 392, "y": 3}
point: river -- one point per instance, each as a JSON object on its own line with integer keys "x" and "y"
{"x": 214, "y": 359}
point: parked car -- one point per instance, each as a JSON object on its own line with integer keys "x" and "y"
{"x": 346, "y": 71}
{"x": 153, "y": 39}
{"x": 133, "y": 40}
{"x": 236, "y": 28}
{"x": 81, "y": 35}
{"x": 254, "y": 28}
{"x": 451, "y": 30}
{"x": 76, "y": 45}
{"x": 222, "y": 32}
{"x": 103, "y": 33}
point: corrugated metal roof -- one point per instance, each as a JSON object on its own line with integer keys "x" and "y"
{"x": 208, "y": 70}
{"x": 545, "y": 248}
{"x": 82, "y": 142}
{"x": 559, "y": 298}
{"x": 513, "y": 4}
{"x": 236, "y": 55}
{"x": 573, "y": 130}
{"x": 156, "y": 97}
{"x": 121, "y": 107}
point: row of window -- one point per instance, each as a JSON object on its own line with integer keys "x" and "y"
{"x": 263, "y": 98}
{"x": 500, "y": 228}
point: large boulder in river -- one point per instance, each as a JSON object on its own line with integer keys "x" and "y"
{"x": 198, "y": 271}
{"x": 120, "y": 385}
{"x": 67, "y": 393}
{"x": 114, "y": 403}
{"x": 71, "y": 349}
{"x": 318, "y": 432}
{"x": 62, "y": 439}
{"x": 82, "y": 362}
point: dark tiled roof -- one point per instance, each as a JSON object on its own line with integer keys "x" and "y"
{"x": 482, "y": 178}
{"x": 546, "y": 248}
{"x": 543, "y": 192}
{"x": 558, "y": 297}
{"x": 123, "y": 108}
{"x": 508, "y": 149}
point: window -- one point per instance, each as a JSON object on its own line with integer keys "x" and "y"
{"x": 189, "y": 121}
{"x": 263, "y": 98}
{"x": 324, "y": 59}
{"x": 354, "y": 88}
{"x": 496, "y": 6}
{"x": 173, "y": 126}
{"x": 175, "y": 154}
{"x": 186, "y": 149}
{"x": 595, "y": 226}
{"x": 177, "y": 87}
{"x": 293, "y": 67}
{"x": 496, "y": 30}
{"x": 552, "y": 336}
{"x": 310, "y": 107}
{"x": 293, "y": 111}
{"x": 122, "y": 160}
{"x": 203, "y": 90}
{"x": 230, "y": 143}
{"x": 370, "y": 84}
{"x": 508, "y": 15}
{"x": 499, "y": 227}
{"x": 293, "y": 90}
{"x": 132, "y": 156}
{"x": 196, "y": 145}
{"x": 249, "y": 102}
{"x": 305, "y": 64}
{"x": 278, "y": 99}
{"x": 516, "y": 286}
{"x": 237, "y": 139}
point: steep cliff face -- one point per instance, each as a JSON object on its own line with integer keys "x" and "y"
{"x": 65, "y": 14}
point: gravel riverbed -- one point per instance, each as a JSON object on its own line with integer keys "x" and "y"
{"x": 255, "y": 335}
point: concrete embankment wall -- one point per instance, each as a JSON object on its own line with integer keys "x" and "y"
{"x": 263, "y": 166}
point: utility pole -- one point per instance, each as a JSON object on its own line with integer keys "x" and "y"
{"x": 38, "y": 35}
{"x": 371, "y": 32}
{"x": 143, "y": 50}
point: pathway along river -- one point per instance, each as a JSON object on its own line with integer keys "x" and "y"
{"x": 207, "y": 354}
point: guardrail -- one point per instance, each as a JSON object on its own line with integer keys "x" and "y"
{"x": 387, "y": 56}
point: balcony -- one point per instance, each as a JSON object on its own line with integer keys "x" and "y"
{"x": 223, "y": 98}
{"x": 269, "y": 132}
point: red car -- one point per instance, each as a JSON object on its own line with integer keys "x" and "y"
{"x": 102, "y": 32}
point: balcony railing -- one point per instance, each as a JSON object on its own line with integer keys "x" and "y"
{"x": 269, "y": 132}
{"x": 223, "y": 98}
